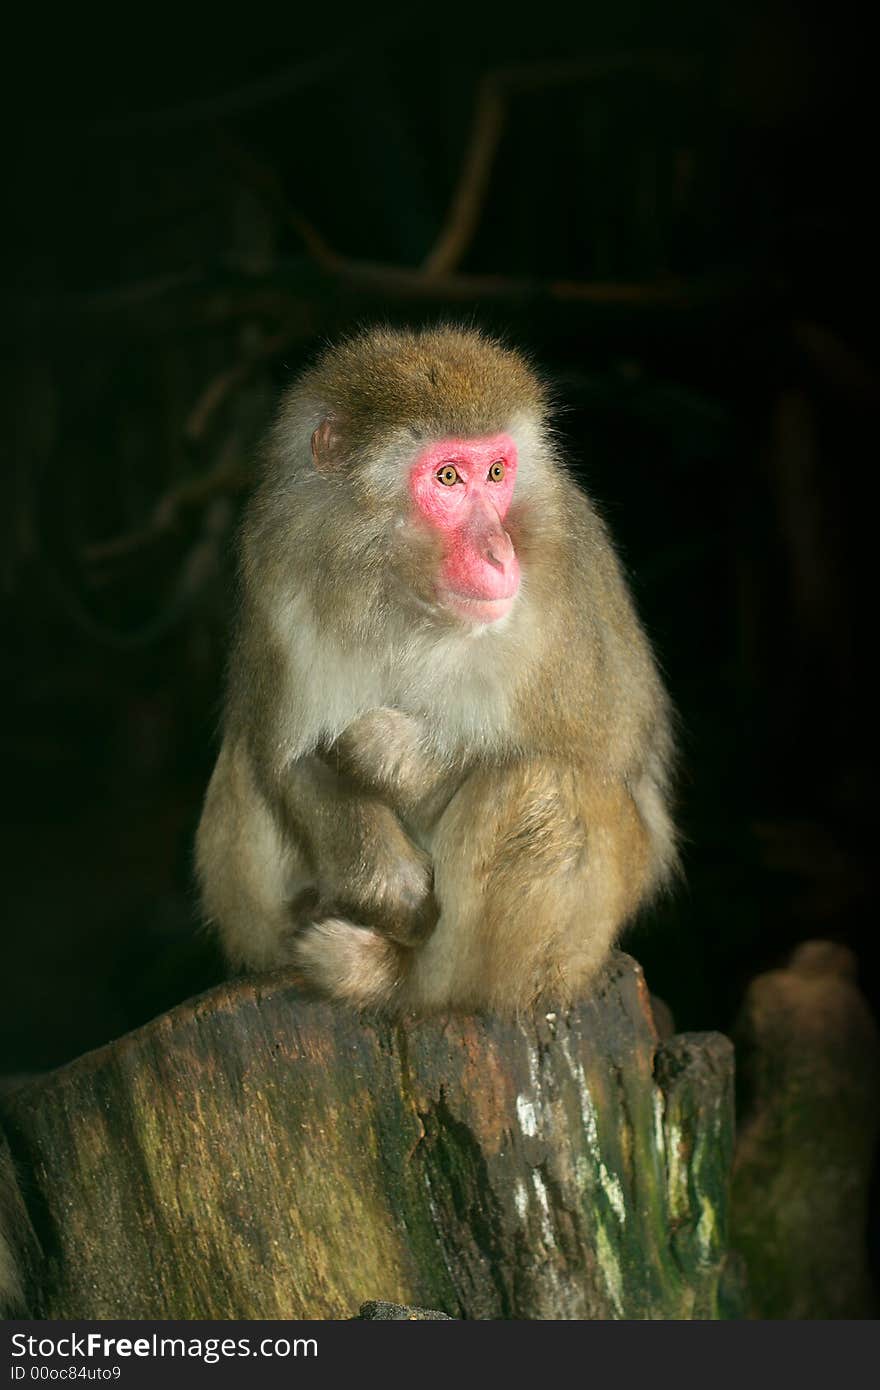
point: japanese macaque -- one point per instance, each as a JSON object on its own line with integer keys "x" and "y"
{"x": 444, "y": 774}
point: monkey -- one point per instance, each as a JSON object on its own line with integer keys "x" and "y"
{"x": 445, "y": 774}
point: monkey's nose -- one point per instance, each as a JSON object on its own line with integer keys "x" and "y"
{"x": 498, "y": 549}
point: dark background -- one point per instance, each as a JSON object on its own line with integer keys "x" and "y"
{"x": 677, "y": 221}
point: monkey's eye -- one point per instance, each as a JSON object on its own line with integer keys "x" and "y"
{"x": 496, "y": 472}
{"x": 448, "y": 475}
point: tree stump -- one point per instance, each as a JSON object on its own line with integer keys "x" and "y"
{"x": 255, "y": 1154}
{"x": 809, "y": 1053}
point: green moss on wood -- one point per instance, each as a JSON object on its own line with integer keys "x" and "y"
{"x": 253, "y": 1154}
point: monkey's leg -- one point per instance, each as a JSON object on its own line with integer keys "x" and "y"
{"x": 324, "y": 850}
{"x": 382, "y": 755}
{"x": 536, "y": 869}
{"x": 375, "y": 899}
{"x": 367, "y": 869}
{"x": 248, "y": 869}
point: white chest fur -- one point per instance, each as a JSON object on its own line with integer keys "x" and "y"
{"x": 455, "y": 684}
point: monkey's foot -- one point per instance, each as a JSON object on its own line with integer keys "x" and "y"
{"x": 347, "y": 962}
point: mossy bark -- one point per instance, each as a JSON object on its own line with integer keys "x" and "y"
{"x": 253, "y": 1154}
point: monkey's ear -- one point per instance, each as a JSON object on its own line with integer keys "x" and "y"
{"x": 326, "y": 447}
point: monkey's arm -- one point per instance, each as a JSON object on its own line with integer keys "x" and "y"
{"x": 365, "y": 866}
{"x": 280, "y": 847}
{"x": 385, "y": 754}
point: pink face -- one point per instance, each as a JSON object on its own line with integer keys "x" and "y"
{"x": 462, "y": 488}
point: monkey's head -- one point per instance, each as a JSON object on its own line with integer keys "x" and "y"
{"x": 427, "y": 441}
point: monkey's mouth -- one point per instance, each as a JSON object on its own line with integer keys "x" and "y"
{"x": 477, "y": 610}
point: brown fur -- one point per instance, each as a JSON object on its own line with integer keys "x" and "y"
{"x": 421, "y": 815}
{"x": 434, "y": 383}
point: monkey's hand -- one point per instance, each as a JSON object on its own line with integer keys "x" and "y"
{"x": 383, "y": 753}
{"x": 377, "y": 877}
